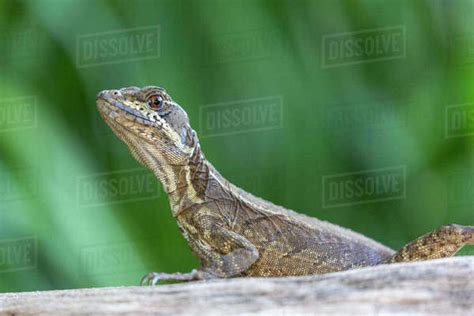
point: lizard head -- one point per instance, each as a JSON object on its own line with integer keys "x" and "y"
{"x": 155, "y": 128}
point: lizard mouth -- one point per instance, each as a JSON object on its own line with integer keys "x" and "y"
{"x": 114, "y": 118}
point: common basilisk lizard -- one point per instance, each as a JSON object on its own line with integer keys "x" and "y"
{"x": 232, "y": 232}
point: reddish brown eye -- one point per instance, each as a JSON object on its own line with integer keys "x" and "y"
{"x": 155, "y": 102}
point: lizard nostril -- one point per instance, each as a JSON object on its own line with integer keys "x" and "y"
{"x": 116, "y": 93}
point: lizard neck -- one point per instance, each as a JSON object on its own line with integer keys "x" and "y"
{"x": 192, "y": 183}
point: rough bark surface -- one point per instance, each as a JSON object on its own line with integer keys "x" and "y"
{"x": 444, "y": 286}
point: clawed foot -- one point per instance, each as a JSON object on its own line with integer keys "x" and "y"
{"x": 152, "y": 278}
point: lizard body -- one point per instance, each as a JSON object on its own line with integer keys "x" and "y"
{"x": 232, "y": 232}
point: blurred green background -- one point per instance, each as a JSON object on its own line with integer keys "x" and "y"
{"x": 76, "y": 210}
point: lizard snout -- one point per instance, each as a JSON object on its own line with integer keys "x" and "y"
{"x": 104, "y": 94}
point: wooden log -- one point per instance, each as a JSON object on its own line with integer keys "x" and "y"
{"x": 444, "y": 286}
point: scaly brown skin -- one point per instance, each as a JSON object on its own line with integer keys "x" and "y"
{"x": 232, "y": 232}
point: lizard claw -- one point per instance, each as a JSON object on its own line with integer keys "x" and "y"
{"x": 150, "y": 278}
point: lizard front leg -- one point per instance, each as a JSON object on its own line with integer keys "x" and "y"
{"x": 223, "y": 253}
{"x": 442, "y": 242}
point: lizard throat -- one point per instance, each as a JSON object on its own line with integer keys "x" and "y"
{"x": 184, "y": 179}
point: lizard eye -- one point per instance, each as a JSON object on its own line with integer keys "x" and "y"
{"x": 155, "y": 102}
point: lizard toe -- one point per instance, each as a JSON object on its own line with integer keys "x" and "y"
{"x": 148, "y": 279}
